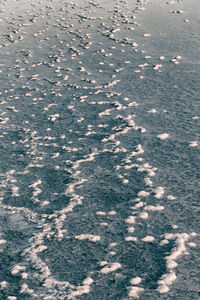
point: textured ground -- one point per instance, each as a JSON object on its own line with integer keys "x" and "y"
{"x": 99, "y": 143}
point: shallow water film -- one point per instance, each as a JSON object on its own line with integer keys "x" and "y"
{"x": 99, "y": 149}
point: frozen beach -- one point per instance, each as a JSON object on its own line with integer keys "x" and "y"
{"x": 99, "y": 144}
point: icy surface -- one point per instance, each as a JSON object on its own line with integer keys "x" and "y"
{"x": 99, "y": 140}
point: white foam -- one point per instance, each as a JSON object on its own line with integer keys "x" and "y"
{"x": 159, "y": 192}
{"x": 143, "y": 194}
{"x": 171, "y": 264}
{"x": 131, "y": 229}
{"x": 138, "y": 205}
{"x": 112, "y": 213}
{"x": 103, "y": 263}
{"x": 130, "y": 220}
{"x": 148, "y": 238}
{"x": 171, "y": 197}
{"x": 180, "y": 249}
{"x": 104, "y": 224}
{"x": 163, "y": 136}
{"x": 17, "y": 269}
{"x": 36, "y": 183}
{"x": 152, "y": 111}
{"x": 3, "y": 242}
{"x": 25, "y": 289}
{"x": 162, "y": 289}
{"x": 112, "y": 253}
{"x": 167, "y": 279}
{"x": 135, "y": 291}
{"x": 100, "y": 213}
{"x": 144, "y": 215}
{"x": 154, "y": 208}
{"x": 115, "y": 266}
{"x": 3, "y": 284}
{"x": 88, "y": 281}
{"x": 193, "y": 144}
{"x": 90, "y": 237}
{"x": 192, "y": 245}
{"x": 81, "y": 290}
{"x": 113, "y": 245}
{"x": 157, "y": 66}
{"x": 146, "y": 34}
{"x": 24, "y": 275}
{"x": 41, "y": 248}
{"x": 164, "y": 242}
{"x": 131, "y": 239}
{"x": 136, "y": 280}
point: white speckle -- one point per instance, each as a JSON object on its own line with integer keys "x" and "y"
{"x": 164, "y": 242}
{"x": 24, "y": 275}
{"x": 159, "y": 192}
{"x": 125, "y": 181}
{"x": 131, "y": 239}
{"x": 25, "y": 289}
{"x": 82, "y": 69}
{"x": 35, "y": 184}
{"x": 152, "y": 111}
{"x": 136, "y": 280}
{"x": 144, "y": 215}
{"x": 163, "y": 136}
{"x": 17, "y": 269}
{"x": 135, "y": 291}
{"x": 131, "y": 229}
{"x": 174, "y": 226}
{"x": 192, "y": 245}
{"x": 111, "y": 245}
{"x": 100, "y": 213}
{"x": 154, "y": 208}
{"x": 171, "y": 197}
{"x": 103, "y": 263}
{"x": 112, "y": 253}
{"x": 56, "y": 155}
{"x": 90, "y": 237}
{"x": 148, "y": 238}
{"x": 53, "y": 117}
{"x": 112, "y": 268}
{"x": 171, "y": 264}
{"x": 146, "y": 34}
{"x": 138, "y": 205}
{"x": 88, "y": 281}
{"x": 143, "y": 194}
{"x": 112, "y": 213}
{"x": 167, "y": 279}
{"x": 162, "y": 289}
{"x": 130, "y": 220}
{"x": 193, "y": 234}
{"x": 81, "y": 290}
{"x": 41, "y": 248}
{"x": 193, "y": 144}
{"x": 157, "y": 66}
{"x": 3, "y": 284}
{"x": 3, "y": 242}
{"x": 104, "y": 224}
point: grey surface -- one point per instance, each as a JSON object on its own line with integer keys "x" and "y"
{"x": 76, "y": 164}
